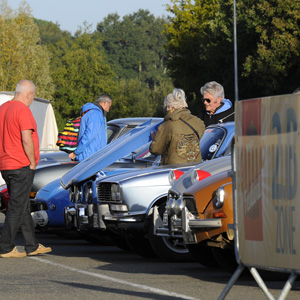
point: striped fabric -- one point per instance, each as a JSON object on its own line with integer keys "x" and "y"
{"x": 67, "y": 140}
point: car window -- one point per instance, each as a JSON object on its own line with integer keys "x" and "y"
{"x": 112, "y": 132}
{"x": 210, "y": 142}
{"x": 126, "y": 129}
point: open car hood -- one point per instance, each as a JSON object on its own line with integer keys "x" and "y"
{"x": 122, "y": 146}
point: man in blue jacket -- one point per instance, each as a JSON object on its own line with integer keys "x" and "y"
{"x": 217, "y": 108}
{"x": 93, "y": 131}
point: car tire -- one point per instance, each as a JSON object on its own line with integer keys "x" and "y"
{"x": 203, "y": 255}
{"x": 225, "y": 258}
{"x": 140, "y": 246}
{"x": 168, "y": 248}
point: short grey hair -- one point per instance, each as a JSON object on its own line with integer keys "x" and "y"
{"x": 175, "y": 100}
{"x": 214, "y": 88}
{"x": 103, "y": 98}
{"x": 24, "y": 86}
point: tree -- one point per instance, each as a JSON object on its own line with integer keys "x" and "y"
{"x": 51, "y": 33}
{"x": 273, "y": 66}
{"x": 80, "y": 75}
{"x": 134, "y": 46}
{"x": 200, "y": 45}
{"x": 21, "y": 54}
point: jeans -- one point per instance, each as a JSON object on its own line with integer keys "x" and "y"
{"x": 18, "y": 215}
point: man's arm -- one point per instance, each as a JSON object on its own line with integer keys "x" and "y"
{"x": 28, "y": 146}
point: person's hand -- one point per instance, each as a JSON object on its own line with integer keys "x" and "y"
{"x": 72, "y": 155}
{"x": 32, "y": 166}
{"x": 153, "y": 134}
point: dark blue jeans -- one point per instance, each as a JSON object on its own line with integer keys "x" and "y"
{"x": 18, "y": 215}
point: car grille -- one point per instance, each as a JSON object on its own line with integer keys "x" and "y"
{"x": 104, "y": 192}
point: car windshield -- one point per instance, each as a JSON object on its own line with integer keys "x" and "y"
{"x": 210, "y": 142}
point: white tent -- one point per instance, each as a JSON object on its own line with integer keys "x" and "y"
{"x": 45, "y": 119}
{"x": 44, "y": 116}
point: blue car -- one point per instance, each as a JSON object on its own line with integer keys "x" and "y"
{"x": 125, "y": 153}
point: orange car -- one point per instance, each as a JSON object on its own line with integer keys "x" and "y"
{"x": 211, "y": 207}
{"x": 207, "y": 215}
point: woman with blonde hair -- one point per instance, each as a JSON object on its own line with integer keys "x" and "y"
{"x": 177, "y": 138}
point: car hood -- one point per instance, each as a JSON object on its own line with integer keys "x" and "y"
{"x": 122, "y": 146}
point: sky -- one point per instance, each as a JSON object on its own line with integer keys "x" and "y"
{"x": 70, "y": 14}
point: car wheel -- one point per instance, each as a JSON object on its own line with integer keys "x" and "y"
{"x": 168, "y": 248}
{"x": 225, "y": 258}
{"x": 140, "y": 246}
{"x": 203, "y": 255}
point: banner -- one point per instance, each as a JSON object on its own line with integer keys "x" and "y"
{"x": 267, "y": 181}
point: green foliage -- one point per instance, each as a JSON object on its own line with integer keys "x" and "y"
{"x": 21, "y": 54}
{"x": 200, "y": 45}
{"x": 51, "y": 33}
{"x": 80, "y": 75}
{"x": 134, "y": 45}
{"x": 273, "y": 64}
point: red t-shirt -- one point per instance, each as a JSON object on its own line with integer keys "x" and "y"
{"x": 15, "y": 117}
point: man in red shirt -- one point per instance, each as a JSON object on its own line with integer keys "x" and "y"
{"x": 19, "y": 155}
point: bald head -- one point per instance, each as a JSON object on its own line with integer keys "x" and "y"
{"x": 25, "y": 91}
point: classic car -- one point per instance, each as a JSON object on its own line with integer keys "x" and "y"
{"x": 124, "y": 202}
{"x": 201, "y": 215}
{"x": 53, "y": 165}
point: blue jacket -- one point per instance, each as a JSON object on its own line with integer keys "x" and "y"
{"x": 92, "y": 134}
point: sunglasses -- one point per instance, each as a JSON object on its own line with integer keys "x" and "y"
{"x": 207, "y": 100}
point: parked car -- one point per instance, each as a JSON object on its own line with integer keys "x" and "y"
{"x": 51, "y": 199}
{"x": 53, "y": 165}
{"x": 125, "y": 202}
{"x": 200, "y": 215}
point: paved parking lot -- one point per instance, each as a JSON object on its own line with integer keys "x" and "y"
{"x": 77, "y": 269}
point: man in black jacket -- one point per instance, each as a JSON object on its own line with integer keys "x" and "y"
{"x": 217, "y": 108}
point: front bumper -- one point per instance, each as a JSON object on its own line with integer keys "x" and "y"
{"x": 184, "y": 227}
{"x": 98, "y": 216}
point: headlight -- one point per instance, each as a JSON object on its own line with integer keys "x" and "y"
{"x": 78, "y": 193}
{"x": 198, "y": 175}
{"x": 220, "y": 195}
{"x": 71, "y": 194}
{"x": 115, "y": 192}
{"x": 88, "y": 192}
{"x": 174, "y": 175}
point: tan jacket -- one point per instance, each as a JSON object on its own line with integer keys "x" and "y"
{"x": 175, "y": 141}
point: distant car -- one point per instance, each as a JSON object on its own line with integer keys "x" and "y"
{"x": 125, "y": 202}
{"x": 53, "y": 165}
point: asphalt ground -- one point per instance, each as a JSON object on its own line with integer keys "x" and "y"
{"x": 76, "y": 269}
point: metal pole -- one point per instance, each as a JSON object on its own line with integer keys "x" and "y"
{"x": 236, "y": 92}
